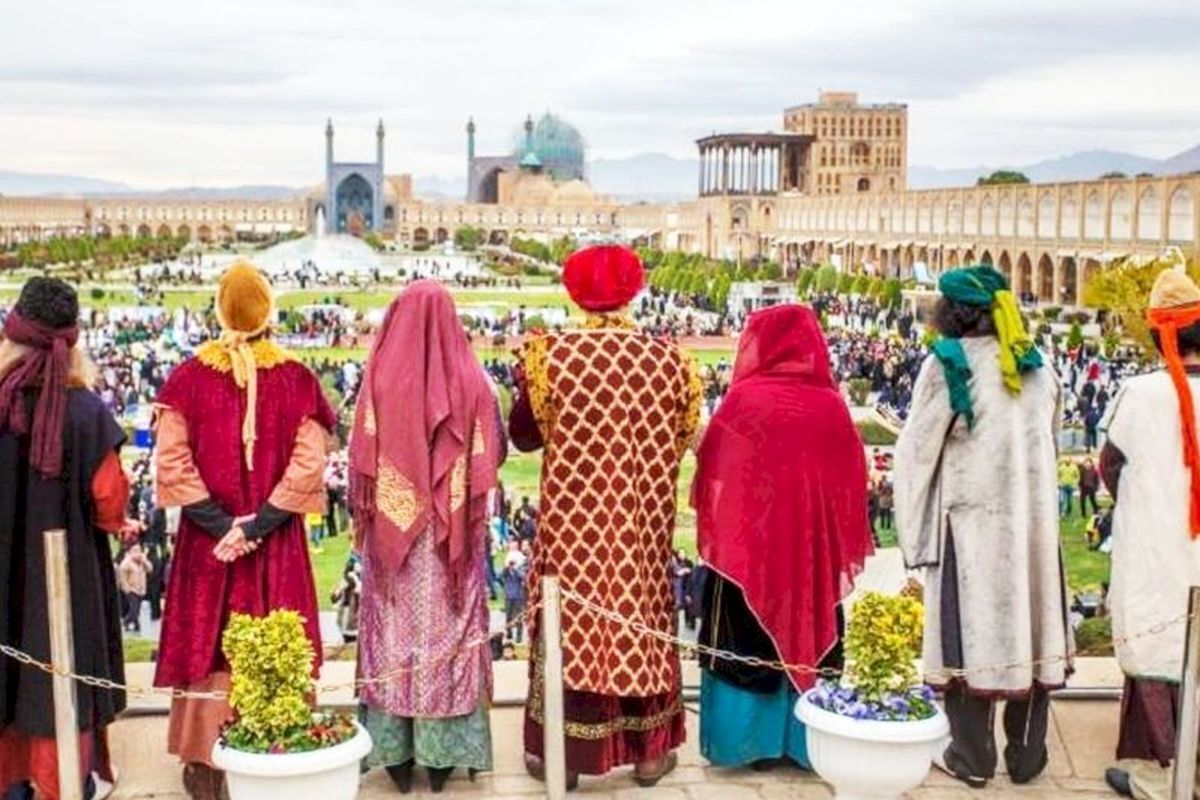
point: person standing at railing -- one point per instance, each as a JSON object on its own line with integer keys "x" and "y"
{"x": 615, "y": 410}
{"x": 1151, "y": 466}
{"x": 424, "y": 457}
{"x": 242, "y": 435}
{"x": 781, "y": 509}
{"x": 60, "y": 468}
{"x": 976, "y": 508}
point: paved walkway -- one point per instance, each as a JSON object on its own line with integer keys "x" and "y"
{"x": 1083, "y": 737}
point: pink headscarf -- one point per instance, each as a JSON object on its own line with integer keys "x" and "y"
{"x": 426, "y": 444}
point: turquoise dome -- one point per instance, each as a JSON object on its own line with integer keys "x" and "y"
{"x": 557, "y": 145}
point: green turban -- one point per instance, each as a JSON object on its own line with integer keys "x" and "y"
{"x": 983, "y": 286}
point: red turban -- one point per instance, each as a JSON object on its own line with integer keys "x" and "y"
{"x": 603, "y": 277}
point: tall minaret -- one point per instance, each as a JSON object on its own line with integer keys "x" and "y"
{"x": 330, "y": 221}
{"x": 379, "y": 145}
{"x": 470, "y": 153}
{"x": 328, "y": 146}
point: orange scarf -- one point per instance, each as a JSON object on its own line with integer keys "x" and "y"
{"x": 1168, "y": 322}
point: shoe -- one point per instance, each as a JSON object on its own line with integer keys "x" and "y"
{"x": 1018, "y": 778}
{"x": 1118, "y": 781}
{"x": 537, "y": 770}
{"x": 438, "y": 777}
{"x": 402, "y": 776}
{"x": 202, "y": 782}
{"x": 973, "y": 782}
{"x": 98, "y": 788}
{"x": 765, "y": 764}
{"x": 649, "y": 779}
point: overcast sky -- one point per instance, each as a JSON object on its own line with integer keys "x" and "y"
{"x": 160, "y": 93}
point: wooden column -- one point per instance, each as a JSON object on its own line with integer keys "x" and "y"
{"x": 62, "y": 655}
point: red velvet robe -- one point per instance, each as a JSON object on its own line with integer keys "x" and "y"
{"x": 203, "y": 592}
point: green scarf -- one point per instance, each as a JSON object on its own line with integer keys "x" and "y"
{"x": 984, "y": 286}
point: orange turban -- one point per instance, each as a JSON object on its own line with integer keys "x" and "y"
{"x": 1175, "y": 304}
{"x": 244, "y": 309}
{"x": 244, "y": 299}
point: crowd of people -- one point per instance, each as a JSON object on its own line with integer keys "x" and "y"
{"x": 237, "y": 496}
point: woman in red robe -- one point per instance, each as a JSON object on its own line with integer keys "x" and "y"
{"x": 781, "y": 511}
{"x": 242, "y": 432}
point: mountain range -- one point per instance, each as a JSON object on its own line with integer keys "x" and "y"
{"x": 646, "y": 177}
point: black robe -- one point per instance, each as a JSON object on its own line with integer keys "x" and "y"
{"x": 728, "y": 624}
{"x": 30, "y": 505}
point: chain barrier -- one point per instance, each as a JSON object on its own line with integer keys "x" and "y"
{"x": 827, "y": 672}
{"x": 530, "y": 615}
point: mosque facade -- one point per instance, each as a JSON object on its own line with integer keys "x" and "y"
{"x": 829, "y": 187}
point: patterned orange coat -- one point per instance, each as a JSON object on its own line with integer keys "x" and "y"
{"x": 617, "y": 410}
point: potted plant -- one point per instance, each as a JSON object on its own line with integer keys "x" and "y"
{"x": 873, "y": 734}
{"x": 277, "y": 746}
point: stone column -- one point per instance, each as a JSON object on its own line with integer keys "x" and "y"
{"x": 703, "y": 155}
{"x": 725, "y": 169}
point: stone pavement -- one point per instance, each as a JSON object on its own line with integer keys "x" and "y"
{"x": 1082, "y": 741}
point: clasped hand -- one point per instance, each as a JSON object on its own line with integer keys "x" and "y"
{"x": 234, "y": 544}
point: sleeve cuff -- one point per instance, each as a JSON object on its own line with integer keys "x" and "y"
{"x": 210, "y": 517}
{"x": 268, "y": 519}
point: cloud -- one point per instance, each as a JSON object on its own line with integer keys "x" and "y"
{"x": 162, "y": 91}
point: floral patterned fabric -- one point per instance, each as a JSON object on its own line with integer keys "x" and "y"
{"x": 433, "y": 650}
{"x": 464, "y": 741}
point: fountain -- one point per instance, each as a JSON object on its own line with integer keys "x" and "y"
{"x": 319, "y": 228}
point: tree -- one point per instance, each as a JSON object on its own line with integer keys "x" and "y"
{"x": 468, "y": 238}
{"x": 804, "y": 281}
{"x": 1114, "y": 175}
{"x": 827, "y": 279}
{"x": 1002, "y": 177}
{"x": 1075, "y": 336}
{"x": 1123, "y": 289}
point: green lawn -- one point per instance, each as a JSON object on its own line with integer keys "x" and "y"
{"x": 365, "y": 300}
{"x": 328, "y": 565}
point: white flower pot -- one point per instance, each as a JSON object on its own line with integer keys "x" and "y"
{"x": 869, "y": 759}
{"x": 330, "y": 774}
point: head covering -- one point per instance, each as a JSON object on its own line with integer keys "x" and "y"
{"x": 1174, "y": 305}
{"x": 983, "y": 286}
{"x": 426, "y": 442}
{"x": 44, "y": 320}
{"x": 244, "y": 308}
{"x": 603, "y": 277}
{"x": 781, "y": 486}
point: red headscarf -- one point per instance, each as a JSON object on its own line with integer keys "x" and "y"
{"x": 426, "y": 446}
{"x": 46, "y": 365}
{"x": 781, "y": 488}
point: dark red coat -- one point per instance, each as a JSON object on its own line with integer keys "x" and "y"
{"x": 203, "y": 592}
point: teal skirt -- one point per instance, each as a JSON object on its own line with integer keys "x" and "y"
{"x": 464, "y": 741}
{"x": 738, "y": 728}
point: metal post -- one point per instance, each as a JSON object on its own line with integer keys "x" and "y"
{"x": 62, "y": 655}
{"x": 1184, "y": 778}
{"x": 555, "y": 745}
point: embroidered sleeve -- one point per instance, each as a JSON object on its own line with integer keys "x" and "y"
{"x": 177, "y": 480}
{"x": 689, "y": 421}
{"x": 302, "y": 488}
{"x": 537, "y": 383}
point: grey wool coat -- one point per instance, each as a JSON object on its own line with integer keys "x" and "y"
{"x": 993, "y": 487}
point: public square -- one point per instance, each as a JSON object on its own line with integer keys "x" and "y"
{"x": 692, "y": 402}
